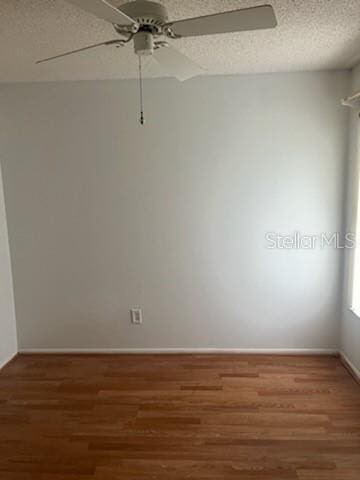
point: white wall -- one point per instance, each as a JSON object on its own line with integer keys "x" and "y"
{"x": 8, "y": 341}
{"x": 105, "y": 215}
{"x": 350, "y": 326}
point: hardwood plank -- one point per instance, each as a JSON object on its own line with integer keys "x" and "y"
{"x": 206, "y": 417}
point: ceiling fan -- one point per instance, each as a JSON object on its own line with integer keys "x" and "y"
{"x": 147, "y": 24}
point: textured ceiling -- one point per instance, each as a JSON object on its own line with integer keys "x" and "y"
{"x": 312, "y": 35}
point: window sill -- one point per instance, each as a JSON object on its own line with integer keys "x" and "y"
{"x": 355, "y": 311}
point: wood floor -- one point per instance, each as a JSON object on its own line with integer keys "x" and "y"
{"x": 178, "y": 417}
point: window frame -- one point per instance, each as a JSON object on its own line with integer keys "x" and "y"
{"x": 355, "y": 254}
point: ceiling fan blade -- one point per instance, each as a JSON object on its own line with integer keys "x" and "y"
{"x": 106, "y": 11}
{"x": 254, "y": 18}
{"x": 109, "y": 42}
{"x": 176, "y": 64}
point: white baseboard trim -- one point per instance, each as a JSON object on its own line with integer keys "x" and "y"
{"x": 355, "y": 371}
{"x": 174, "y": 351}
{"x": 7, "y": 360}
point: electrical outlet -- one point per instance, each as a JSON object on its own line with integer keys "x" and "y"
{"x": 136, "y": 316}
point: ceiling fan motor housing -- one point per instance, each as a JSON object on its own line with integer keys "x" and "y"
{"x": 151, "y": 16}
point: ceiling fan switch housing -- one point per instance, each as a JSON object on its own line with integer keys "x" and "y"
{"x": 144, "y": 43}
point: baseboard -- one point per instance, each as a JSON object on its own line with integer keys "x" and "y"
{"x": 168, "y": 351}
{"x": 8, "y": 360}
{"x": 355, "y": 372}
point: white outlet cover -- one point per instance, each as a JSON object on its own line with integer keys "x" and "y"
{"x": 136, "y": 316}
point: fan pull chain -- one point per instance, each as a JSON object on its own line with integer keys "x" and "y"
{"x": 142, "y": 119}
